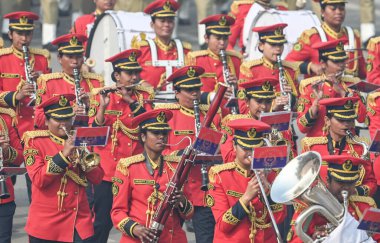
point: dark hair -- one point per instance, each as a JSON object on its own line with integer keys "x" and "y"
{"x": 142, "y": 131}
{"x": 115, "y": 70}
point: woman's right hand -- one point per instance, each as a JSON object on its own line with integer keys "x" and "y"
{"x": 143, "y": 233}
{"x": 251, "y": 191}
{"x": 68, "y": 146}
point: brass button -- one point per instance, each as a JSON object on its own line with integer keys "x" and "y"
{"x": 74, "y": 209}
{"x": 76, "y": 193}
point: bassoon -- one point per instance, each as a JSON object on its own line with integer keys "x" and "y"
{"x": 183, "y": 169}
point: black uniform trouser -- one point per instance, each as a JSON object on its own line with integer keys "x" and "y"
{"x": 7, "y": 210}
{"x": 102, "y": 209}
{"x": 29, "y": 187}
{"x": 204, "y": 224}
{"x": 377, "y": 196}
{"x": 76, "y": 239}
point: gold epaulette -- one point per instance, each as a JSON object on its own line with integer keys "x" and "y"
{"x": 231, "y": 117}
{"x": 310, "y": 141}
{"x": 186, "y": 45}
{"x": 142, "y": 43}
{"x": 203, "y": 107}
{"x": 39, "y": 51}
{"x": 246, "y": 66}
{"x": 124, "y": 163}
{"x": 363, "y": 199}
{"x": 372, "y": 43}
{"x": 192, "y": 56}
{"x": 293, "y": 65}
{"x": 305, "y": 36}
{"x": 306, "y": 82}
{"x": 149, "y": 90}
{"x": 216, "y": 169}
{"x": 172, "y": 158}
{"x": 169, "y": 106}
{"x": 359, "y": 139}
{"x": 34, "y": 134}
{"x": 1, "y": 42}
{"x": 6, "y": 51}
{"x": 371, "y": 99}
{"x": 93, "y": 76}
{"x": 353, "y": 80}
{"x": 44, "y": 78}
{"x": 8, "y": 111}
{"x": 235, "y": 54}
{"x": 235, "y": 5}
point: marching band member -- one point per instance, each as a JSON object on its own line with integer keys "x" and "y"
{"x": 373, "y": 111}
{"x": 339, "y": 118}
{"x": 272, "y": 40}
{"x": 116, "y": 110}
{"x": 84, "y": 23}
{"x": 162, "y": 49}
{"x": 15, "y": 90}
{"x": 140, "y": 181}
{"x": 216, "y": 38}
{"x": 49, "y": 159}
{"x": 330, "y": 84}
{"x": 11, "y": 156}
{"x": 342, "y": 174}
{"x": 187, "y": 85}
{"x": 239, "y": 211}
{"x": 333, "y": 15}
{"x": 373, "y": 60}
{"x": 70, "y": 56}
{"x": 259, "y": 97}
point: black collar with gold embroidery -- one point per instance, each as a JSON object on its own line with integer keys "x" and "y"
{"x": 186, "y": 111}
{"x": 269, "y": 64}
{"x": 242, "y": 171}
{"x": 56, "y": 139}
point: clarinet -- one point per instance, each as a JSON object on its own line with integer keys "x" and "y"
{"x": 226, "y": 77}
{"x": 283, "y": 81}
{"x": 28, "y": 71}
{"x": 204, "y": 186}
{"x": 77, "y": 86}
{"x": 182, "y": 171}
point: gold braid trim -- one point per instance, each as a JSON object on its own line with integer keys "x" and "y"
{"x": 172, "y": 158}
{"x": 216, "y": 169}
{"x": 76, "y": 178}
{"x": 306, "y": 82}
{"x": 371, "y": 99}
{"x": 124, "y": 163}
{"x": 118, "y": 125}
{"x": 307, "y": 142}
{"x": 10, "y": 112}
{"x": 234, "y": 54}
{"x": 246, "y": 66}
{"x": 96, "y": 76}
{"x": 229, "y": 218}
{"x": 372, "y": 43}
{"x": 363, "y": 199}
{"x": 305, "y": 36}
{"x": 6, "y": 51}
{"x": 42, "y": 52}
{"x": 167, "y": 106}
{"x": 34, "y": 134}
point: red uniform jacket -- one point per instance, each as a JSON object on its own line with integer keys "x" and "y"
{"x": 302, "y": 50}
{"x": 52, "y": 173}
{"x": 12, "y": 74}
{"x": 314, "y": 127}
{"x": 366, "y": 185}
{"x": 356, "y": 207}
{"x": 214, "y": 71}
{"x": 373, "y": 61}
{"x": 81, "y": 25}
{"x": 227, "y": 148}
{"x": 373, "y": 120}
{"x": 60, "y": 83}
{"x": 15, "y": 157}
{"x": 137, "y": 194}
{"x": 123, "y": 141}
{"x": 263, "y": 68}
{"x": 156, "y": 75}
{"x": 239, "y": 10}
{"x": 183, "y": 124}
{"x": 234, "y": 221}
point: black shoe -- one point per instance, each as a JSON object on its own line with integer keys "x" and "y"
{"x": 189, "y": 226}
{"x": 184, "y": 21}
{"x": 50, "y": 47}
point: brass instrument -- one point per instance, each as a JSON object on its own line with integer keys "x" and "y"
{"x": 226, "y": 76}
{"x": 83, "y": 157}
{"x": 77, "y": 86}
{"x": 28, "y": 71}
{"x": 366, "y": 154}
{"x": 204, "y": 186}
{"x": 282, "y": 81}
{"x": 299, "y": 182}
